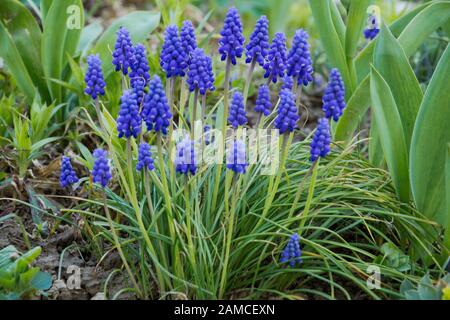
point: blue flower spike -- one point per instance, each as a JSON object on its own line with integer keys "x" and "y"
{"x": 334, "y": 96}
{"x": 68, "y": 176}
{"x": 236, "y": 157}
{"x": 320, "y": 144}
{"x": 95, "y": 83}
{"x": 101, "y": 173}
{"x": 373, "y": 27}
{"x": 237, "y": 116}
{"x": 258, "y": 46}
{"x": 263, "y": 104}
{"x": 173, "y": 57}
{"x": 292, "y": 253}
{"x": 299, "y": 63}
{"x": 186, "y": 157}
{"x": 287, "y": 117}
{"x": 139, "y": 75}
{"x": 200, "y": 74}
{"x": 232, "y": 40}
{"x": 275, "y": 65}
{"x": 129, "y": 120}
{"x": 123, "y": 55}
{"x": 288, "y": 83}
{"x": 155, "y": 110}
{"x": 188, "y": 39}
{"x": 145, "y": 160}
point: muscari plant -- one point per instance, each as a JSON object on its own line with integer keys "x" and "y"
{"x": 186, "y": 228}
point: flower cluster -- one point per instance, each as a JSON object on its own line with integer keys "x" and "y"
{"x": 237, "y": 116}
{"x": 320, "y": 144}
{"x": 258, "y": 46}
{"x": 232, "y": 40}
{"x": 123, "y": 55}
{"x": 292, "y": 253}
{"x": 101, "y": 172}
{"x": 263, "y": 104}
{"x": 145, "y": 160}
{"x": 173, "y": 56}
{"x": 236, "y": 157}
{"x": 200, "y": 74}
{"x": 95, "y": 84}
{"x": 68, "y": 175}
{"x": 129, "y": 120}
{"x": 186, "y": 157}
{"x": 275, "y": 65}
{"x": 287, "y": 118}
{"x": 373, "y": 27}
{"x": 209, "y": 138}
{"x": 334, "y": 96}
{"x": 188, "y": 40}
{"x": 139, "y": 75}
{"x": 288, "y": 83}
{"x": 299, "y": 64}
{"x": 155, "y": 110}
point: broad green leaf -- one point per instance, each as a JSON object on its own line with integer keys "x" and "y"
{"x": 88, "y": 37}
{"x": 428, "y": 148}
{"x": 59, "y": 38}
{"x": 331, "y": 41}
{"x": 13, "y": 60}
{"x": 338, "y": 23}
{"x": 447, "y": 197}
{"x": 26, "y": 34}
{"x": 376, "y": 156}
{"x": 139, "y": 23}
{"x": 391, "y": 133}
{"x": 41, "y": 281}
{"x": 355, "y": 24}
{"x": 45, "y": 7}
{"x": 393, "y": 65}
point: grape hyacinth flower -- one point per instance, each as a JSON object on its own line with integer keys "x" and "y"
{"x": 200, "y": 74}
{"x": 209, "y": 137}
{"x": 287, "y": 118}
{"x": 123, "y": 55}
{"x": 145, "y": 160}
{"x": 288, "y": 83}
{"x": 299, "y": 64}
{"x": 258, "y": 46}
{"x": 68, "y": 176}
{"x": 139, "y": 75}
{"x": 320, "y": 144}
{"x": 188, "y": 39}
{"x": 275, "y": 65}
{"x": 292, "y": 252}
{"x": 263, "y": 104}
{"x": 173, "y": 57}
{"x": 236, "y": 157}
{"x": 155, "y": 110}
{"x": 101, "y": 172}
{"x": 95, "y": 84}
{"x": 129, "y": 120}
{"x": 237, "y": 116}
{"x": 232, "y": 40}
{"x": 373, "y": 27}
{"x": 186, "y": 157}
{"x": 334, "y": 96}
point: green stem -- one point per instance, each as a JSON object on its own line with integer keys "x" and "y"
{"x": 312, "y": 185}
{"x": 299, "y": 191}
{"x": 191, "y": 248}
{"x": 249, "y": 80}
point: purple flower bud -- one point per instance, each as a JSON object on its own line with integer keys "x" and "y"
{"x": 334, "y": 96}
{"x": 209, "y": 137}
{"x": 232, "y": 40}
{"x": 156, "y": 111}
{"x": 186, "y": 157}
{"x": 101, "y": 172}
{"x": 129, "y": 120}
{"x": 299, "y": 64}
{"x": 68, "y": 176}
{"x": 188, "y": 40}
{"x": 123, "y": 54}
{"x": 173, "y": 57}
{"x": 288, "y": 83}
{"x": 263, "y": 103}
{"x": 292, "y": 253}
{"x": 236, "y": 157}
{"x": 275, "y": 65}
{"x": 145, "y": 160}
{"x": 258, "y": 46}
{"x": 200, "y": 74}
{"x": 95, "y": 84}
{"x": 373, "y": 27}
{"x": 320, "y": 144}
{"x": 287, "y": 118}
{"x": 237, "y": 116}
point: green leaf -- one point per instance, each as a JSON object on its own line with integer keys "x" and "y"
{"x": 393, "y": 65}
{"x": 355, "y": 25}
{"x": 391, "y": 133}
{"x": 45, "y": 7}
{"x": 41, "y": 281}
{"x": 59, "y": 38}
{"x": 376, "y": 156}
{"x": 139, "y": 23}
{"x": 428, "y": 148}
{"x": 88, "y": 37}
{"x": 447, "y": 197}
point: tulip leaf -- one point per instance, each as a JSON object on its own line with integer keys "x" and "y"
{"x": 428, "y": 148}
{"x": 355, "y": 25}
{"x": 391, "y": 133}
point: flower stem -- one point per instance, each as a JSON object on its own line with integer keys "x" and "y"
{"x": 300, "y": 190}
{"x": 249, "y": 80}
{"x": 309, "y": 198}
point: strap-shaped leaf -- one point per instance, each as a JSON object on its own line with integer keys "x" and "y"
{"x": 428, "y": 148}
{"x": 355, "y": 24}
{"x": 391, "y": 133}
